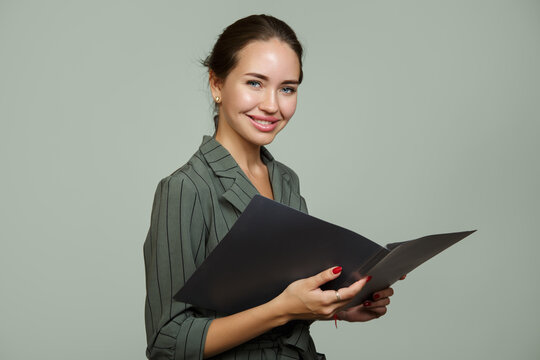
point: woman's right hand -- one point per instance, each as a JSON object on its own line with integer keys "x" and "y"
{"x": 304, "y": 299}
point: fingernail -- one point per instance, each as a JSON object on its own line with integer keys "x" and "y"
{"x": 368, "y": 278}
{"x": 336, "y": 319}
{"x": 376, "y": 296}
{"x": 367, "y": 303}
{"x": 337, "y": 269}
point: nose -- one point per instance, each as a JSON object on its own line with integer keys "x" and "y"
{"x": 269, "y": 102}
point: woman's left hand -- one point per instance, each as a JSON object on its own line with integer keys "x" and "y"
{"x": 370, "y": 309}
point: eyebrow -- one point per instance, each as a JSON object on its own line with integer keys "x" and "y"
{"x": 265, "y": 78}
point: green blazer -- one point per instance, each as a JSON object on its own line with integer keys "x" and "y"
{"x": 193, "y": 209}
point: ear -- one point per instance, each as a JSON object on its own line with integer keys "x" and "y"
{"x": 215, "y": 84}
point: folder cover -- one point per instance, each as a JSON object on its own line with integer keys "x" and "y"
{"x": 272, "y": 245}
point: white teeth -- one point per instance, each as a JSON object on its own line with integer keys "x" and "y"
{"x": 262, "y": 122}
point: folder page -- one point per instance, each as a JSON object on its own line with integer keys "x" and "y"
{"x": 272, "y": 245}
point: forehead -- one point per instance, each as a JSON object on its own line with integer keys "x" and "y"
{"x": 272, "y": 58}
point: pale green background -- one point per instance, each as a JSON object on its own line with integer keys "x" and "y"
{"x": 426, "y": 112}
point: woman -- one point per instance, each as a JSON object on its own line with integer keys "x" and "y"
{"x": 255, "y": 69}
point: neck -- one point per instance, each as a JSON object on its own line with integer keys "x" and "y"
{"x": 247, "y": 155}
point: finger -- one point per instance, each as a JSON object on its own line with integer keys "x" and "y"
{"x": 350, "y": 292}
{"x": 343, "y": 315}
{"x": 323, "y": 277}
{"x": 378, "y": 311}
{"x": 374, "y": 304}
{"x": 343, "y": 295}
{"x": 403, "y": 277}
{"x": 383, "y": 294}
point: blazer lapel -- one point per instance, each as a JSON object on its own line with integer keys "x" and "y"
{"x": 238, "y": 189}
{"x": 240, "y": 193}
{"x": 282, "y": 185}
{"x": 279, "y": 181}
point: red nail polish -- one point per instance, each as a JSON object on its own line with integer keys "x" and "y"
{"x": 367, "y": 303}
{"x": 337, "y": 269}
{"x": 376, "y": 296}
{"x": 368, "y": 278}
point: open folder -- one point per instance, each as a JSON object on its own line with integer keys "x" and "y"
{"x": 272, "y": 245}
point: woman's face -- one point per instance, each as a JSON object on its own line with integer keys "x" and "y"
{"x": 258, "y": 97}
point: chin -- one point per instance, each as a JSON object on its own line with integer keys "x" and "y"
{"x": 262, "y": 139}
{"x": 265, "y": 138}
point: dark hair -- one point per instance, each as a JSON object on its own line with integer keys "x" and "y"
{"x": 236, "y": 36}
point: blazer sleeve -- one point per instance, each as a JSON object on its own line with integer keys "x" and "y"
{"x": 176, "y": 238}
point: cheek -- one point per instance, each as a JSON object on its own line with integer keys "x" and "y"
{"x": 288, "y": 107}
{"x": 245, "y": 100}
{"x": 249, "y": 100}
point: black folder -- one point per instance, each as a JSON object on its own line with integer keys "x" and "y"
{"x": 272, "y": 245}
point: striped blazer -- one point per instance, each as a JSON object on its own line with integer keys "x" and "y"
{"x": 192, "y": 211}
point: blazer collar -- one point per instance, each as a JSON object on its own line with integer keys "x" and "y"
{"x": 238, "y": 189}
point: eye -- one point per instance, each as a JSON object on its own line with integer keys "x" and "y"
{"x": 289, "y": 90}
{"x": 254, "y": 83}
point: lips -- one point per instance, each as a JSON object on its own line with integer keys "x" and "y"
{"x": 263, "y": 123}
{"x": 262, "y": 118}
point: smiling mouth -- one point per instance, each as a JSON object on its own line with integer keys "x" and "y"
{"x": 263, "y": 122}
{"x": 266, "y": 124}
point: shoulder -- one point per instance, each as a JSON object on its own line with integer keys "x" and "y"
{"x": 189, "y": 179}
